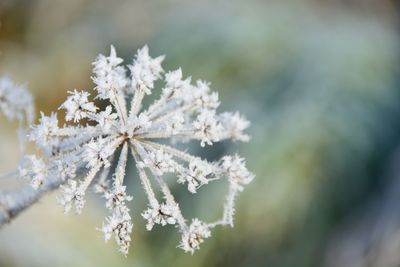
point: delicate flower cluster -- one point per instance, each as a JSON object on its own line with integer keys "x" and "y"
{"x": 82, "y": 152}
{"x": 195, "y": 175}
{"x": 195, "y": 235}
{"x": 161, "y": 214}
{"x": 34, "y": 169}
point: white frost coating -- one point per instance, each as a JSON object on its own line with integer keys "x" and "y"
{"x": 194, "y": 236}
{"x": 16, "y": 103}
{"x": 81, "y": 153}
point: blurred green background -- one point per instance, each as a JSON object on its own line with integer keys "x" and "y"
{"x": 319, "y": 81}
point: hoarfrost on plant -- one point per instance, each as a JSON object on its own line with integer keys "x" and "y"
{"x": 82, "y": 152}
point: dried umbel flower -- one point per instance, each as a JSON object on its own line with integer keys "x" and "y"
{"x": 82, "y": 152}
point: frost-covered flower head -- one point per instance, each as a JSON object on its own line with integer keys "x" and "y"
{"x": 83, "y": 151}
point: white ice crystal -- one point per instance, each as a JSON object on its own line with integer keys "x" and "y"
{"x": 78, "y": 106}
{"x": 194, "y": 236}
{"x": 34, "y": 169}
{"x": 119, "y": 223}
{"x": 83, "y": 151}
{"x": 162, "y": 214}
{"x": 236, "y": 171}
{"x": 69, "y": 192}
{"x": 195, "y": 175}
{"x": 162, "y": 162}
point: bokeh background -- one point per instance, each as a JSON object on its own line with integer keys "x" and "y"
{"x": 318, "y": 79}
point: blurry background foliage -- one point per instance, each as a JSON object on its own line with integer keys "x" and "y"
{"x": 318, "y": 79}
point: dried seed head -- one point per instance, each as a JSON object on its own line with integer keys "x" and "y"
{"x": 82, "y": 154}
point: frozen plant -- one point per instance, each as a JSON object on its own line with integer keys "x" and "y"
{"x": 16, "y": 103}
{"x": 81, "y": 153}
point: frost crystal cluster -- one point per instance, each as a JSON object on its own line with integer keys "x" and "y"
{"x": 83, "y": 151}
{"x": 16, "y": 103}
